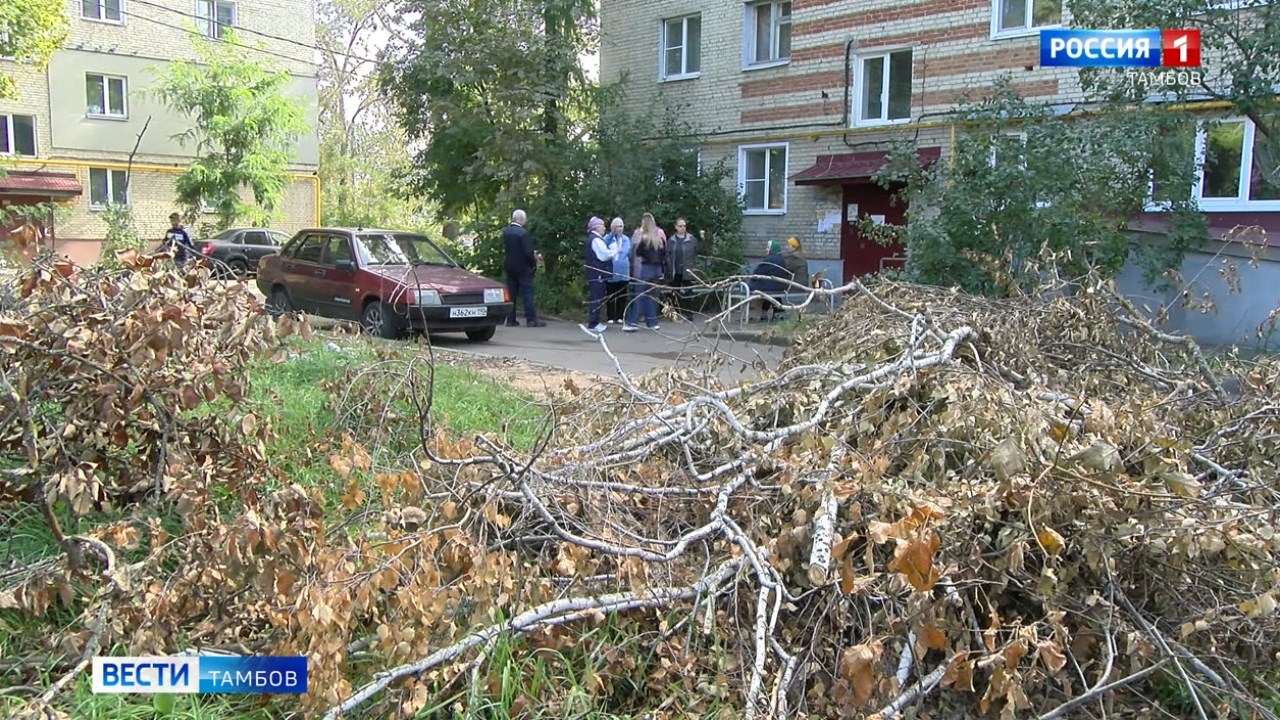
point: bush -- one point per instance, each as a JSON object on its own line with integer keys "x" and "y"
{"x": 624, "y": 173}
{"x": 122, "y": 235}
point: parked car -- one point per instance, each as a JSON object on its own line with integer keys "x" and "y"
{"x": 390, "y": 281}
{"x": 238, "y": 250}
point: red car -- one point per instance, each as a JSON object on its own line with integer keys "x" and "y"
{"x": 389, "y": 281}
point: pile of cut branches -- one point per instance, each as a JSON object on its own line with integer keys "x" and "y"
{"x": 938, "y": 504}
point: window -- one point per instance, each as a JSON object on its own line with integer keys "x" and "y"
{"x": 1024, "y": 16}
{"x": 762, "y": 178}
{"x": 107, "y": 187}
{"x": 1009, "y": 148}
{"x": 310, "y": 249}
{"x": 261, "y": 238}
{"x": 104, "y": 10}
{"x": 885, "y": 88}
{"x": 768, "y": 26}
{"x": 213, "y": 17}
{"x": 337, "y": 250}
{"x": 105, "y": 96}
{"x": 18, "y": 135}
{"x": 681, "y": 48}
{"x": 1237, "y": 170}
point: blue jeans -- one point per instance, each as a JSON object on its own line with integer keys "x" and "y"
{"x": 644, "y": 297}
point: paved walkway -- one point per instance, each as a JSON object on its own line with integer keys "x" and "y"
{"x": 564, "y": 345}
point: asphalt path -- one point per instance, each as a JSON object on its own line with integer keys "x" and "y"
{"x": 563, "y": 344}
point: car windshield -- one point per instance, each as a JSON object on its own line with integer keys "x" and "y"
{"x": 399, "y": 249}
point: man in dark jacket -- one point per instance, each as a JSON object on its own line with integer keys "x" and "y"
{"x": 522, "y": 262}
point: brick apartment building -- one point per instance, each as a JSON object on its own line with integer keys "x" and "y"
{"x": 68, "y": 136}
{"x": 802, "y": 98}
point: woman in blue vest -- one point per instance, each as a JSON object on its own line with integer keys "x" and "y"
{"x": 599, "y": 263}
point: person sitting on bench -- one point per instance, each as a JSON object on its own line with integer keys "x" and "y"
{"x": 773, "y": 266}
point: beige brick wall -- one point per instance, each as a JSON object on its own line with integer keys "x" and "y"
{"x": 151, "y": 195}
{"x": 151, "y": 34}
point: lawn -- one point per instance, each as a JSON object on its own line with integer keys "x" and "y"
{"x": 313, "y": 394}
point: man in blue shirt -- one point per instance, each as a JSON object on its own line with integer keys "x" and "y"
{"x": 177, "y": 240}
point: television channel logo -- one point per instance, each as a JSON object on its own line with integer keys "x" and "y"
{"x": 1120, "y": 48}
{"x": 200, "y": 674}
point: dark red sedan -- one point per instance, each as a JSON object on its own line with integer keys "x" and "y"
{"x": 389, "y": 281}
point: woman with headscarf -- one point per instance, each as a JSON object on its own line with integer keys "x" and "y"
{"x": 774, "y": 271}
{"x": 649, "y": 252}
{"x": 599, "y": 262}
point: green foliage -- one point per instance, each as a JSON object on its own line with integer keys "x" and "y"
{"x": 509, "y": 120}
{"x": 495, "y": 90}
{"x": 621, "y": 174}
{"x": 1061, "y": 201}
{"x": 122, "y": 234}
{"x": 243, "y": 130}
{"x": 30, "y": 31}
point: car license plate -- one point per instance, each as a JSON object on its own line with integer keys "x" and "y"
{"x": 468, "y": 312}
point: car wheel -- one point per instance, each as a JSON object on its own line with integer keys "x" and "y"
{"x": 377, "y": 319}
{"x": 239, "y": 268}
{"x": 483, "y": 334}
{"x": 279, "y": 302}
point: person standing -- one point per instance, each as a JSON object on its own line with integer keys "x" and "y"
{"x": 178, "y": 241}
{"x": 772, "y": 278}
{"x": 599, "y": 262}
{"x": 682, "y": 252}
{"x": 522, "y": 263}
{"x": 649, "y": 246}
{"x": 616, "y": 287}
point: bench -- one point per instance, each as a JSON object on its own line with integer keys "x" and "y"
{"x": 740, "y": 292}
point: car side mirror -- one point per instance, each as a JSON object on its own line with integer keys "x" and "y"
{"x": 346, "y": 265}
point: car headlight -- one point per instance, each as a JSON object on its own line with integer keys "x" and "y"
{"x": 495, "y": 295}
{"x": 428, "y": 297}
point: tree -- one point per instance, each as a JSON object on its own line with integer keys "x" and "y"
{"x": 30, "y": 31}
{"x": 362, "y": 151}
{"x": 1240, "y": 47}
{"x": 495, "y": 91}
{"x": 1026, "y": 191}
{"x": 243, "y": 130}
{"x": 620, "y": 172}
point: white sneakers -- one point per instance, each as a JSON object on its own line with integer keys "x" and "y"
{"x": 629, "y": 328}
{"x": 599, "y": 328}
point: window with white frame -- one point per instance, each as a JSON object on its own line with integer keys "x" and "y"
{"x": 884, "y": 88}
{"x": 1009, "y": 148}
{"x": 106, "y": 95}
{"x": 1236, "y": 170}
{"x": 681, "y": 48}
{"x": 762, "y": 178}
{"x": 107, "y": 187}
{"x": 104, "y": 10}
{"x": 768, "y": 26}
{"x": 18, "y": 135}
{"x": 214, "y": 17}
{"x": 1022, "y": 16}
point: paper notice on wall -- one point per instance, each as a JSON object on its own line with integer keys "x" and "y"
{"x": 877, "y": 219}
{"x": 829, "y": 222}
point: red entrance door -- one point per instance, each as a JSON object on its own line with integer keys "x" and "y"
{"x": 864, "y": 256}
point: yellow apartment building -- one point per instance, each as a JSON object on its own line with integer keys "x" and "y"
{"x": 68, "y": 136}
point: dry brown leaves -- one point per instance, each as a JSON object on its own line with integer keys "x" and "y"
{"x": 1015, "y": 522}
